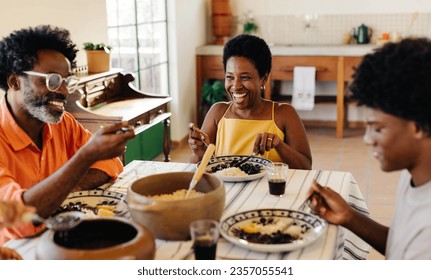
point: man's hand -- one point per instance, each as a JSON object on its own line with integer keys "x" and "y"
{"x": 9, "y": 254}
{"x": 108, "y": 142}
{"x": 12, "y": 213}
{"x": 330, "y": 205}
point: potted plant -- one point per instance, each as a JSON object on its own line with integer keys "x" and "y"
{"x": 250, "y": 25}
{"x": 98, "y": 57}
{"x": 211, "y": 94}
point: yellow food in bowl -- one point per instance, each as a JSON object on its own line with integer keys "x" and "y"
{"x": 177, "y": 195}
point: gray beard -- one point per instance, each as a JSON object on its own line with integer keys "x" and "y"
{"x": 38, "y": 108}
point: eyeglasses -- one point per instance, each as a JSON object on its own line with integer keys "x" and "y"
{"x": 54, "y": 81}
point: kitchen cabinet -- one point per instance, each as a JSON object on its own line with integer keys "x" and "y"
{"x": 207, "y": 68}
{"x": 332, "y": 67}
{"x": 109, "y": 97}
{"x": 338, "y": 69}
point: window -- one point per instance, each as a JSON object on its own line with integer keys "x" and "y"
{"x": 137, "y": 31}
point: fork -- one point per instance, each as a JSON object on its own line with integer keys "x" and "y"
{"x": 195, "y": 129}
{"x": 307, "y": 201}
{"x": 238, "y": 164}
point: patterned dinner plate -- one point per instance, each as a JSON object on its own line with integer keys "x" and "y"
{"x": 220, "y": 161}
{"x": 308, "y": 227}
{"x": 91, "y": 201}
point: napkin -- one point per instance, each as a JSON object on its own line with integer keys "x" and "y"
{"x": 304, "y": 84}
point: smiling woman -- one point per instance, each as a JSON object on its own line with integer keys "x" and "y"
{"x": 249, "y": 123}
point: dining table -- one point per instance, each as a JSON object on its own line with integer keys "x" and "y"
{"x": 335, "y": 243}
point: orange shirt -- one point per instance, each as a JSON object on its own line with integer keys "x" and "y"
{"x": 23, "y": 164}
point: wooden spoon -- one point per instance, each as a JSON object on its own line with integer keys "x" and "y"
{"x": 198, "y": 174}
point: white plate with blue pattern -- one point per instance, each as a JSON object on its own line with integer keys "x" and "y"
{"x": 220, "y": 162}
{"x": 91, "y": 200}
{"x": 312, "y": 228}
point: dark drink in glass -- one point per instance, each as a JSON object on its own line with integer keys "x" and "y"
{"x": 277, "y": 186}
{"x": 205, "y": 249}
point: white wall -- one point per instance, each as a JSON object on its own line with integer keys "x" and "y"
{"x": 86, "y": 20}
{"x": 187, "y": 30}
{"x": 283, "y": 7}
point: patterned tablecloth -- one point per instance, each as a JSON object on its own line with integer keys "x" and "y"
{"x": 337, "y": 242}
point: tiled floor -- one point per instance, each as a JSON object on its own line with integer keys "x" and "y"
{"x": 347, "y": 154}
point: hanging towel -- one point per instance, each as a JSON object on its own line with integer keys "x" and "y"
{"x": 304, "y": 84}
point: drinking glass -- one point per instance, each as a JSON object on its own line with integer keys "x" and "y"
{"x": 205, "y": 235}
{"x": 276, "y": 174}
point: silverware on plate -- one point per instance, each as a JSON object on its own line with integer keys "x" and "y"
{"x": 238, "y": 164}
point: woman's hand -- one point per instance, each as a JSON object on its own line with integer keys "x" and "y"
{"x": 265, "y": 142}
{"x": 329, "y": 205}
{"x": 198, "y": 141}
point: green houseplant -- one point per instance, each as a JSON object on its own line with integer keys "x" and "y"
{"x": 249, "y": 24}
{"x": 212, "y": 93}
{"x": 98, "y": 57}
{"x": 88, "y": 46}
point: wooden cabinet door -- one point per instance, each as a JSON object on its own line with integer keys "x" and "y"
{"x": 349, "y": 63}
{"x": 212, "y": 67}
{"x": 326, "y": 66}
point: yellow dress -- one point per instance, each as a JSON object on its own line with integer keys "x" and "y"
{"x": 237, "y": 136}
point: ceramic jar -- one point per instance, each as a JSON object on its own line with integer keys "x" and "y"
{"x": 110, "y": 238}
{"x": 221, "y": 20}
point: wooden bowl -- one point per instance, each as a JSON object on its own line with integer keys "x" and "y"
{"x": 110, "y": 238}
{"x": 170, "y": 219}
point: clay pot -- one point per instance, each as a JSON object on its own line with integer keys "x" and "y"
{"x": 98, "y": 61}
{"x": 222, "y": 27}
{"x": 110, "y": 238}
{"x": 170, "y": 219}
{"x": 221, "y": 7}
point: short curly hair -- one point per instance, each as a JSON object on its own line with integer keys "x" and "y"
{"x": 18, "y": 51}
{"x": 396, "y": 79}
{"x": 251, "y": 47}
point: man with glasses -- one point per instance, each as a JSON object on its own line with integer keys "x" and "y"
{"x": 44, "y": 152}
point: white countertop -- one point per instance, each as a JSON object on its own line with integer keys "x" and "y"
{"x": 300, "y": 50}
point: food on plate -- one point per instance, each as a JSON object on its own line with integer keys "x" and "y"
{"x": 100, "y": 210}
{"x": 105, "y": 210}
{"x": 247, "y": 168}
{"x": 106, "y": 207}
{"x": 177, "y": 195}
{"x": 270, "y": 231}
{"x": 231, "y": 171}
